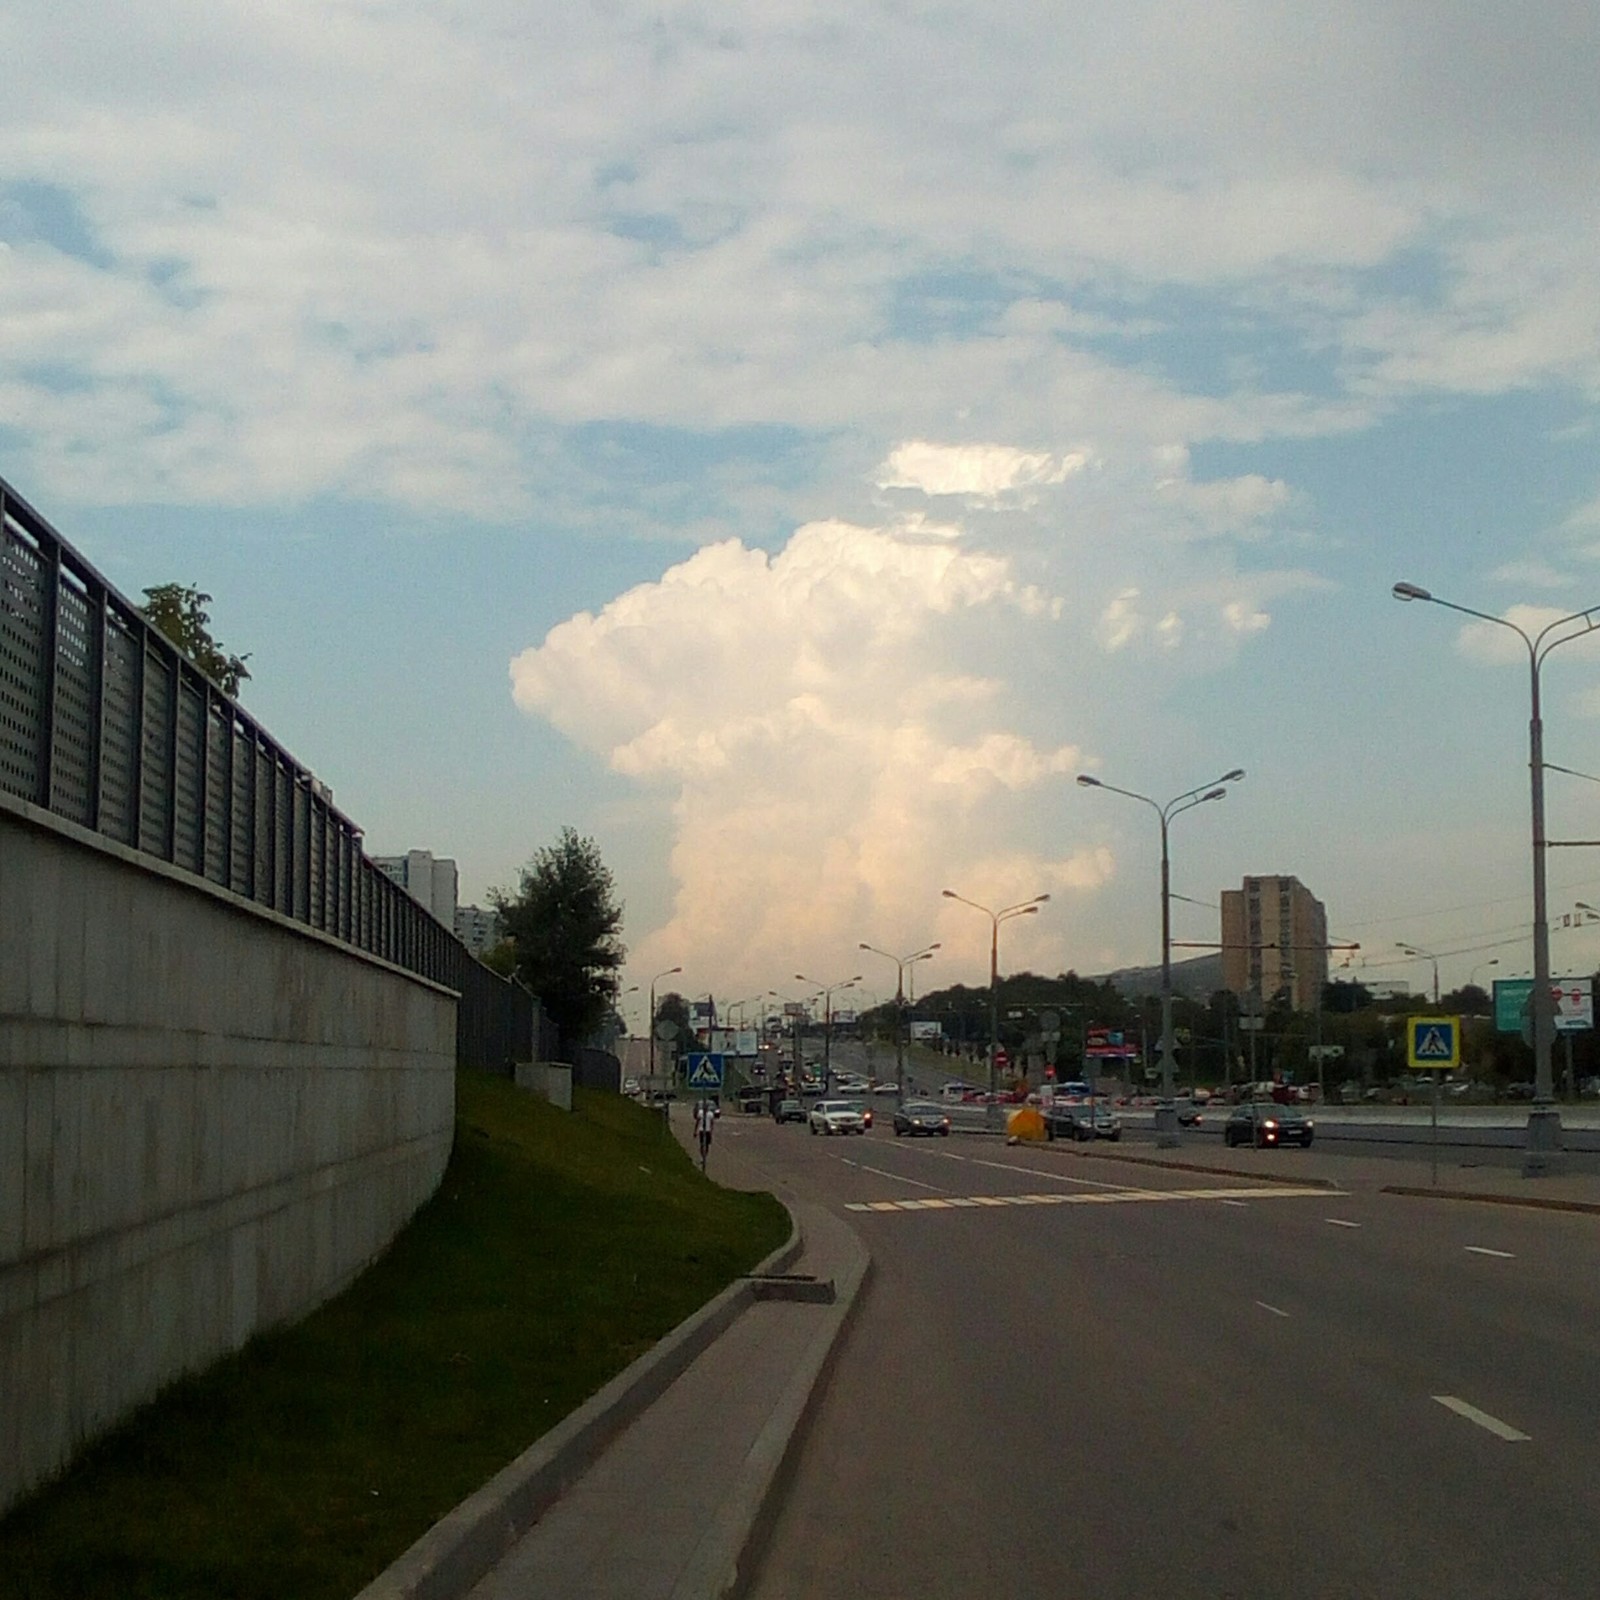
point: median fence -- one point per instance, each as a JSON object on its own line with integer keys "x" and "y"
{"x": 104, "y": 722}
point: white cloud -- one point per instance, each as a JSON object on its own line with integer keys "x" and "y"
{"x": 980, "y": 471}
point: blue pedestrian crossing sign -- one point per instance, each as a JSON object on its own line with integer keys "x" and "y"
{"x": 1433, "y": 1042}
{"x": 704, "y": 1069}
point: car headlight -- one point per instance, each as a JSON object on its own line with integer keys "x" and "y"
{"x": 1269, "y": 1123}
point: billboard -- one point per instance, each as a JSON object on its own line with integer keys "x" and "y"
{"x": 927, "y": 1032}
{"x": 1108, "y": 1044}
{"x": 1573, "y": 997}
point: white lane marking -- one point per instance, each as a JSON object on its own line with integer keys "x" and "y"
{"x": 1501, "y": 1430}
{"x": 1057, "y": 1177}
{"x": 1240, "y": 1203}
{"x": 1340, "y": 1222}
{"x": 1118, "y": 1197}
{"x": 1273, "y": 1309}
{"x": 1484, "y": 1250}
{"x": 916, "y": 1183}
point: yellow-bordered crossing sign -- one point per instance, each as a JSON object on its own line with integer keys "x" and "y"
{"x": 1433, "y": 1042}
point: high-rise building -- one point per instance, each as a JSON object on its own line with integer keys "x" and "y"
{"x": 477, "y": 929}
{"x": 1275, "y": 940}
{"x": 429, "y": 880}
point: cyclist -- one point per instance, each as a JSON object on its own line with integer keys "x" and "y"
{"x": 705, "y": 1120}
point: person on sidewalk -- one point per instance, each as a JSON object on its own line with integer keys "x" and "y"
{"x": 705, "y": 1121}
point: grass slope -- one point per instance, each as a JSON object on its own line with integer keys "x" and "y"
{"x": 558, "y": 1249}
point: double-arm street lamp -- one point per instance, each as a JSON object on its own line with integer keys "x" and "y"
{"x": 1544, "y": 1120}
{"x": 1024, "y": 908}
{"x": 827, "y": 990}
{"x": 900, "y": 963}
{"x": 1423, "y": 955}
{"x": 653, "y": 982}
{"x": 1166, "y": 1111}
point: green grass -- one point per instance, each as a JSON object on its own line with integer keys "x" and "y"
{"x": 558, "y": 1249}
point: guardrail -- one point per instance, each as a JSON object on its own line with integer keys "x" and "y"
{"x": 105, "y": 722}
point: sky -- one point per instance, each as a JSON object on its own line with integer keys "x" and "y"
{"x": 788, "y": 444}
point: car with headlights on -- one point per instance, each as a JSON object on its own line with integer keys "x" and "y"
{"x": 836, "y": 1116}
{"x": 921, "y": 1116}
{"x": 1265, "y": 1124}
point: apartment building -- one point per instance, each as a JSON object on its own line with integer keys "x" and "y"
{"x": 478, "y": 929}
{"x": 428, "y": 879}
{"x": 1274, "y": 939}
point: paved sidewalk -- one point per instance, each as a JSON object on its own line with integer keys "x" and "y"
{"x": 677, "y": 1504}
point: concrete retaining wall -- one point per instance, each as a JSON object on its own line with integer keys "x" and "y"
{"x": 210, "y": 1120}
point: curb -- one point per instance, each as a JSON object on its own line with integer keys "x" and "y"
{"x": 468, "y": 1541}
{"x": 1529, "y": 1202}
{"x": 1217, "y": 1172}
{"x": 727, "y": 1560}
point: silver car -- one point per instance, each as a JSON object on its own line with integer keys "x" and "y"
{"x": 836, "y": 1116}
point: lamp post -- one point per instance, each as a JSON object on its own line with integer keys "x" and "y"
{"x": 827, "y": 1021}
{"x": 1166, "y": 1112}
{"x": 653, "y": 982}
{"x": 1423, "y": 955}
{"x": 1544, "y": 1119}
{"x": 1024, "y": 908}
{"x": 1473, "y": 979}
{"x": 900, "y": 964}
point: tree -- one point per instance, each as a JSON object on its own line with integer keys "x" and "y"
{"x": 179, "y": 612}
{"x": 562, "y": 923}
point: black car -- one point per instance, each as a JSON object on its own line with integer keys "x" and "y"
{"x": 921, "y": 1116}
{"x": 789, "y": 1111}
{"x": 1080, "y": 1122}
{"x": 1264, "y": 1123}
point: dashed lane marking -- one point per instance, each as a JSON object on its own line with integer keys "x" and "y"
{"x": 1484, "y": 1250}
{"x": 1340, "y": 1222}
{"x": 1501, "y": 1430}
{"x": 1125, "y": 1196}
{"x": 1273, "y": 1309}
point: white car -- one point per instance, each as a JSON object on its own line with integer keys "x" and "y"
{"x": 836, "y": 1116}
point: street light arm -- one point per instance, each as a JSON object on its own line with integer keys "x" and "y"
{"x": 1088, "y": 782}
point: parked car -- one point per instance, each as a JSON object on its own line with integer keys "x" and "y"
{"x": 1263, "y": 1123}
{"x": 1081, "y": 1122}
{"x": 921, "y": 1116}
{"x": 789, "y": 1111}
{"x": 835, "y": 1116}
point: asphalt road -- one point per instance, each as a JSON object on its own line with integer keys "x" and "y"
{"x": 1144, "y": 1383}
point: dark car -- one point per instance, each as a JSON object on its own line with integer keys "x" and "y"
{"x": 754, "y": 1098}
{"x": 1188, "y": 1114}
{"x": 1080, "y": 1122}
{"x": 1262, "y": 1123}
{"x": 921, "y": 1116}
{"x": 789, "y": 1111}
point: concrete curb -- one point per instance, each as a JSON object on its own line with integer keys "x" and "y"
{"x": 467, "y": 1542}
{"x": 1530, "y": 1202}
{"x": 725, "y": 1563}
{"x": 1217, "y": 1172}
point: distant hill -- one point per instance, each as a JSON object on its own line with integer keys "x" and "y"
{"x": 1198, "y": 978}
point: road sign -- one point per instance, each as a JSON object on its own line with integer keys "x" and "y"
{"x": 705, "y": 1069}
{"x": 1573, "y": 999}
{"x": 1433, "y": 1042}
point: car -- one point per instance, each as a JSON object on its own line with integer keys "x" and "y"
{"x": 865, "y": 1110}
{"x": 753, "y": 1098}
{"x": 1263, "y": 1123}
{"x": 921, "y": 1116}
{"x": 836, "y": 1116}
{"x": 1081, "y": 1122}
{"x": 1188, "y": 1114}
{"x": 789, "y": 1111}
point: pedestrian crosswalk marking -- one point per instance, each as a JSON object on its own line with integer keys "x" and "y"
{"x": 1275, "y": 1192}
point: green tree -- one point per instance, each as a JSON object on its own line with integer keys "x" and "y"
{"x": 562, "y": 922}
{"x": 179, "y": 611}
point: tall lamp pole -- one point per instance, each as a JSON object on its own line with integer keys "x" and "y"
{"x": 827, "y": 1021}
{"x": 1423, "y": 955}
{"x": 900, "y": 964}
{"x": 1024, "y": 908}
{"x": 1167, "y": 1112}
{"x": 1544, "y": 1119}
{"x": 653, "y": 982}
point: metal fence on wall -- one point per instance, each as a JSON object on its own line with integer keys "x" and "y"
{"x": 105, "y": 722}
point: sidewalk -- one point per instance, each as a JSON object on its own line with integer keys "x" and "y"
{"x": 663, "y": 1485}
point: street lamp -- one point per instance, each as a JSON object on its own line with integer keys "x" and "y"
{"x": 1166, "y": 1112}
{"x": 653, "y": 982}
{"x": 827, "y": 1021}
{"x": 900, "y": 964}
{"x": 1423, "y": 955}
{"x": 1544, "y": 1119}
{"x": 1473, "y": 979}
{"x": 1024, "y": 908}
